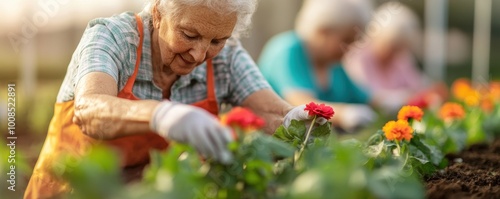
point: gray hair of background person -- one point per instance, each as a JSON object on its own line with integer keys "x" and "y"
{"x": 316, "y": 14}
{"x": 395, "y": 24}
{"x": 243, "y": 8}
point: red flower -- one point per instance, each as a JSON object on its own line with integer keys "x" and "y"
{"x": 243, "y": 118}
{"x": 320, "y": 110}
{"x": 419, "y": 101}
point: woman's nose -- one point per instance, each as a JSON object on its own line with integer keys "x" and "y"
{"x": 199, "y": 52}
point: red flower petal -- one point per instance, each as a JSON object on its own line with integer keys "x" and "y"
{"x": 319, "y": 110}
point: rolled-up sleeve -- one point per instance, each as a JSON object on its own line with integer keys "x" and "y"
{"x": 246, "y": 78}
{"x": 99, "y": 51}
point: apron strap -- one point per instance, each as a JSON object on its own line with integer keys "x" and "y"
{"x": 130, "y": 82}
{"x": 210, "y": 81}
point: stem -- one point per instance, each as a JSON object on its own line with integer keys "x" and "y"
{"x": 305, "y": 141}
{"x": 399, "y": 149}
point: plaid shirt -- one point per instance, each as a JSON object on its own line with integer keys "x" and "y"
{"x": 109, "y": 45}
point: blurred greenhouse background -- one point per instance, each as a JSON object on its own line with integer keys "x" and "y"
{"x": 39, "y": 37}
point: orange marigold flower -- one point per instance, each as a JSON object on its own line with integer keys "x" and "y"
{"x": 488, "y": 103}
{"x": 410, "y": 112}
{"x": 243, "y": 118}
{"x": 398, "y": 130}
{"x": 451, "y": 111}
{"x": 461, "y": 88}
{"x": 495, "y": 90}
{"x": 472, "y": 98}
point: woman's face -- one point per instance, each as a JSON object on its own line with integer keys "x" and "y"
{"x": 193, "y": 36}
{"x": 387, "y": 49}
{"x": 333, "y": 44}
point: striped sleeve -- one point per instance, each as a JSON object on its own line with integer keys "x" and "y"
{"x": 246, "y": 78}
{"x": 99, "y": 51}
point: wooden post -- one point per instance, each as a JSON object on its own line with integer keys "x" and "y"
{"x": 481, "y": 46}
{"x": 436, "y": 13}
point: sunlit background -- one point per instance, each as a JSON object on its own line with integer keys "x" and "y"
{"x": 39, "y": 37}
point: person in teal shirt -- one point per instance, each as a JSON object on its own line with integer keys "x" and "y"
{"x": 304, "y": 65}
{"x": 286, "y": 66}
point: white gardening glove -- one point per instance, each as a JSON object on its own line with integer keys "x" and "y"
{"x": 355, "y": 116}
{"x": 298, "y": 113}
{"x": 389, "y": 102}
{"x": 194, "y": 126}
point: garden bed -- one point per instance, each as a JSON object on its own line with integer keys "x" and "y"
{"x": 474, "y": 173}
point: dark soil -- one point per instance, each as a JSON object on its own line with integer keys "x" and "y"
{"x": 474, "y": 173}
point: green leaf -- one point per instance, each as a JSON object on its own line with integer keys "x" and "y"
{"x": 294, "y": 134}
{"x": 322, "y": 130}
{"x": 374, "y": 150}
{"x": 297, "y": 129}
{"x": 473, "y": 124}
{"x": 96, "y": 175}
{"x": 252, "y": 177}
{"x": 420, "y": 157}
{"x": 390, "y": 182}
{"x": 281, "y": 134}
{"x": 433, "y": 154}
{"x": 376, "y": 138}
{"x": 279, "y": 148}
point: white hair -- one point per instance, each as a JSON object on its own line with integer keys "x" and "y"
{"x": 244, "y": 10}
{"x": 316, "y": 14}
{"x": 397, "y": 23}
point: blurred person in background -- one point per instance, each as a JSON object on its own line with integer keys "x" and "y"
{"x": 382, "y": 62}
{"x": 138, "y": 81}
{"x": 303, "y": 65}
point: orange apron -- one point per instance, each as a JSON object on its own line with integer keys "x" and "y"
{"x": 65, "y": 137}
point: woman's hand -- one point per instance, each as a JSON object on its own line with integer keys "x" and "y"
{"x": 298, "y": 113}
{"x": 355, "y": 116}
{"x": 194, "y": 126}
{"x": 349, "y": 117}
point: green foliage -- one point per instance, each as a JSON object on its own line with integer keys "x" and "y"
{"x": 345, "y": 175}
{"x": 266, "y": 166}
{"x": 473, "y": 124}
{"x": 491, "y": 123}
{"x": 424, "y": 158}
{"x": 447, "y": 137}
{"x": 416, "y": 155}
{"x": 251, "y": 175}
{"x": 295, "y": 133}
{"x": 94, "y": 176}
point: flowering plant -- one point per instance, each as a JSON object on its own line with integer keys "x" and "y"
{"x": 242, "y": 119}
{"x": 264, "y": 167}
{"x": 303, "y": 160}
{"x": 298, "y": 134}
{"x": 445, "y": 129}
{"x": 398, "y": 141}
{"x": 451, "y": 111}
{"x": 479, "y": 101}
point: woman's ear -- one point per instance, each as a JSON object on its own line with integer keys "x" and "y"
{"x": 156, "y": 16}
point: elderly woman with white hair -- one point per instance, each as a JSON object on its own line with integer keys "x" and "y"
{"x": 138, "y": 81}
{"x": 383, "y": 62}
{"x": 303, "y": 65}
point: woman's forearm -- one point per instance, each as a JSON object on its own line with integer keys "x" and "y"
{"x": 102, "y": 115}
{"x": 268, "y": 105}
{"x": 106, "y": 117}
